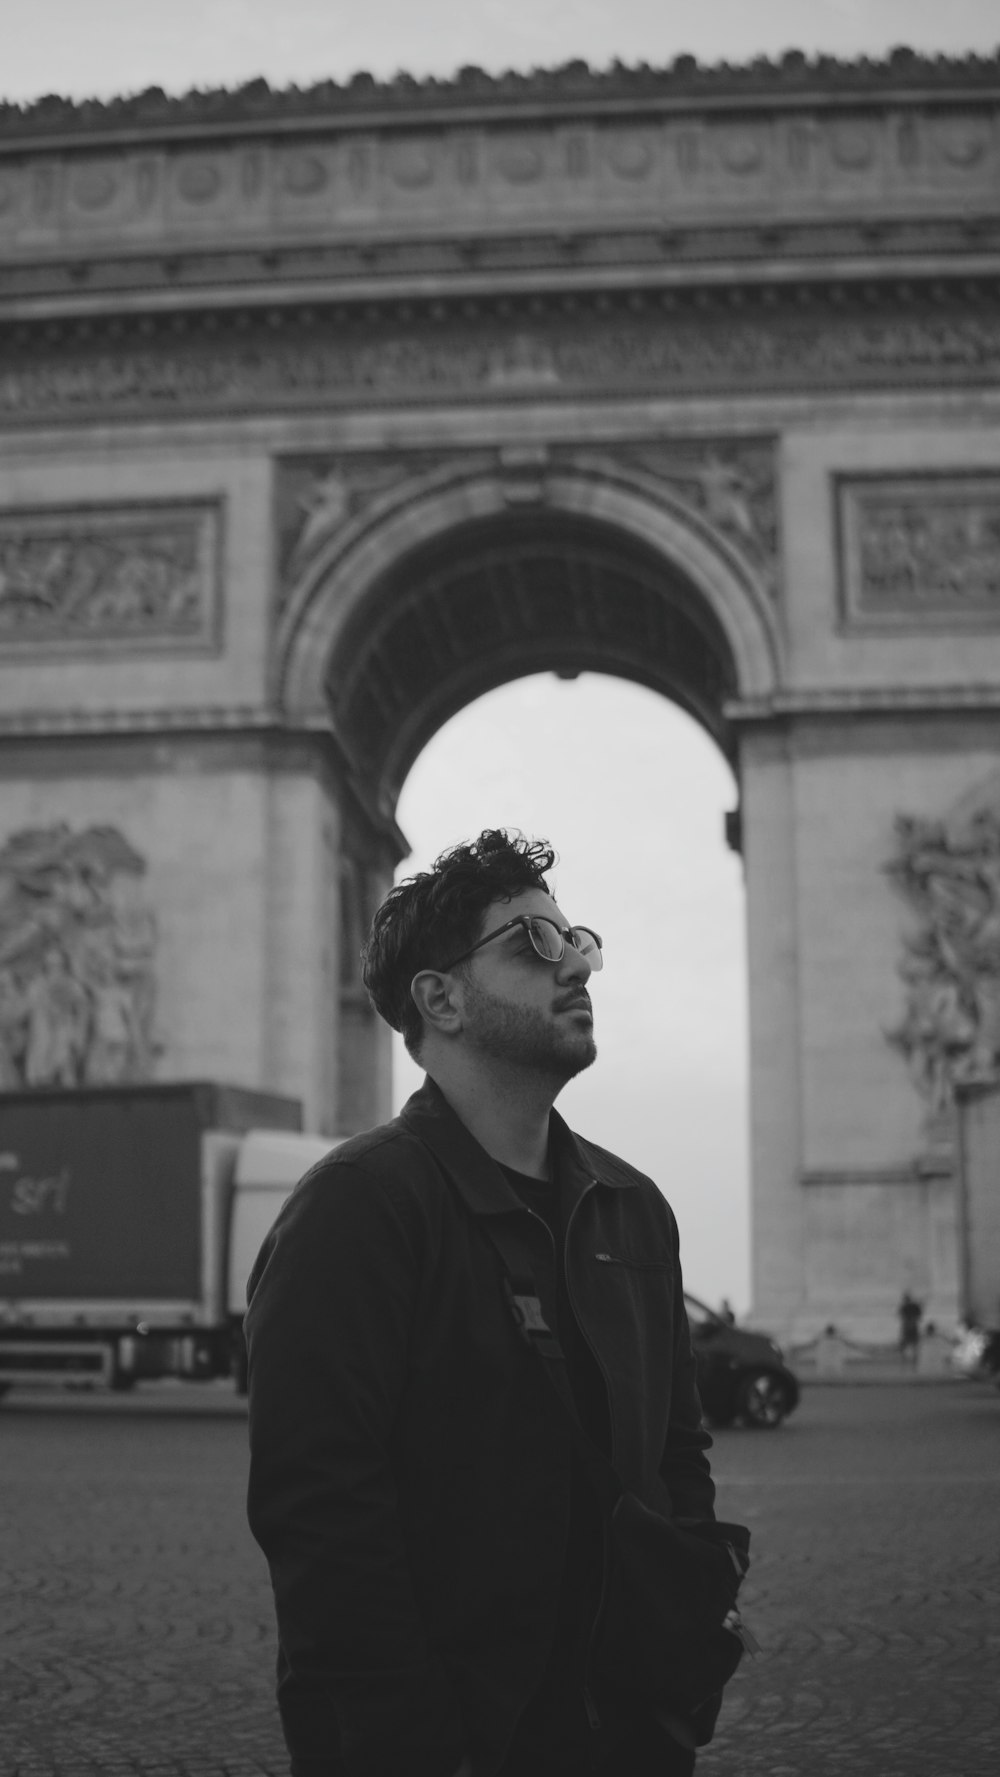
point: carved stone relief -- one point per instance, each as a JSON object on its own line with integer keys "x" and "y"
{"x": 948, "y": 871}
{"x": 729, "y": 484}
{"x": 701, "y": 162}
{"x": 77, "y": 946}
{"x": 318, "y": 495}
{"x": 118, "y": 576}
{"x": 920, "y": 548}
{"x": 316, "y": 365}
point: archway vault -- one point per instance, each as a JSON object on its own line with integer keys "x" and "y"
{"x": 406, "y": 615}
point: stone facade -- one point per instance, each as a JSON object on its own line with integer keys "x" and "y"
{"x": 320, "y": 413}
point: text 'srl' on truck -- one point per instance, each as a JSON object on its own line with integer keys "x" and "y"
{"x": 129, "y": 1220}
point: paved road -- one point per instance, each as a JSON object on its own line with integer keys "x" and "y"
{"x": 135, "y": 1622}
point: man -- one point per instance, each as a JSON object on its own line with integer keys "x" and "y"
{"x": 436, "y": 1541}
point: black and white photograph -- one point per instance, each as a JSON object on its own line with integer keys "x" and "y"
{"x": 499, "y": 888}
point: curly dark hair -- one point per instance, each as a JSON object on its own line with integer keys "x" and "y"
{"x": 437, "y": 914}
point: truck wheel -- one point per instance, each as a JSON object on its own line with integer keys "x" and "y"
{"x": 763, "y": 1400}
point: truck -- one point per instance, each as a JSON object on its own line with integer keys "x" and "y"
{"x": 979, "y": 1228}
{"x": 130, "y": 1217}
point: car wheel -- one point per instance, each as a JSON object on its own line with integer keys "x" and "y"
{"x": 763, "y": 1400}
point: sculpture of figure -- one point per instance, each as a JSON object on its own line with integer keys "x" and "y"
{"x": 58, "y": 1018}
{"x": 77, "y": 944}
{"x": 725, "y": 491}
{"x": 13, "y": 1018}
{"x": 134, "y": 926}
{"x": 112, "y": 1044}
{"x": 325, "y": 502}
{"x": 949, "y": 871}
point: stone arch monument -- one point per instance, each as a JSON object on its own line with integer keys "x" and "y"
{"x": 321, "y": 413}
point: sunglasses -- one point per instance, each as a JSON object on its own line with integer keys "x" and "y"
{"x": 548, "y": 940}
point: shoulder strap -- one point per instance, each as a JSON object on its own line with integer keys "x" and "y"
{"x": 544, "y": 1341}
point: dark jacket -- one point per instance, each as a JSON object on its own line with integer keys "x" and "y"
{"x": 410, "y": 1466}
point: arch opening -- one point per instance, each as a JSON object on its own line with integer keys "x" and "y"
{"x": 511, "y": 594}
{"x": 632, "y": 794}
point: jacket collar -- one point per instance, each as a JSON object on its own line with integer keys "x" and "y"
{"x": 477, "y": 1177}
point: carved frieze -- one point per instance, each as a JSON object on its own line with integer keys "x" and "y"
{"x": 729, "y": 485}
{"x": 114, "y": 576}
{"x": 77, "y": 949}
{"x": 948, "y": 871}
{"x": 919, "y": 549}
{"x": 696, "y": 165}
{"x": 320, "y": 362}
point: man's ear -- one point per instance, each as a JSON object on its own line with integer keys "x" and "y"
{"x": 435, "y": 999}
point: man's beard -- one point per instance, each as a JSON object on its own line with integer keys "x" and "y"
{"x": 524, "y": 1037}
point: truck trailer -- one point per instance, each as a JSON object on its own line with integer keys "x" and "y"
{"x": 130, "y": 1217}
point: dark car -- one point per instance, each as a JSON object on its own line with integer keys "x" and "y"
{"x": 741, "y": 1375}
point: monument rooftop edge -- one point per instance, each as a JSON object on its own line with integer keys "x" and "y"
{"x": 812, "y": 168}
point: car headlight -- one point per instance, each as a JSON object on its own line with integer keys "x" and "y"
{"x": 776, "y": 1348}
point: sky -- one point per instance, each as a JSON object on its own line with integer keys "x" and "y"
{"x": 99, "y": 48}
{"x": 629, "y": 790}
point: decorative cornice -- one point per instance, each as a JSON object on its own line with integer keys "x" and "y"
{"x": 71, "y": 742}
{"x": 572, "y": 87}
{"x": 561, "y": 347}
{"x": 907, "y": 1172}
{"x": 548, "y": 263}
{"x": 781, "y": 172}
{"x": 210, "y": 719}
{"x": 839, "y": 702}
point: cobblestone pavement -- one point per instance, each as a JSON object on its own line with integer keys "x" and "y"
{"x": 135, "y": 1618}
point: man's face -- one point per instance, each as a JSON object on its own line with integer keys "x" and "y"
{"x": 521, "y": 1010}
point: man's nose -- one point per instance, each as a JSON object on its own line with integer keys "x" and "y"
{"x": 573, "y": 965}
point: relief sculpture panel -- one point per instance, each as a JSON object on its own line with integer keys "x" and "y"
{"x": 319, "y": 495}
{"x": 77, "y": 948}
{"x": 948, "y": 871}
{"x": 314, "y": 365}
{"x": 919, "y": 549}
{"x": 732, "y": 486}
{"x": 115, "y": 576}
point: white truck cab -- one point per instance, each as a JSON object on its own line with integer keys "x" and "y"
{"x": 269, "y": 1164}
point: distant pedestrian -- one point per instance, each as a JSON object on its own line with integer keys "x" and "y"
{"x": 910, "y": 1313}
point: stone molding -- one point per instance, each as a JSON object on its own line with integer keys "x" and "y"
{"x": 785, "y": 706}
{"x": 318, "y": 358}
{"x": 124, "y": 578}
{"x": 861, "y": 700}
{"x": 906, "y": 1173}
{"x": 173, "y": 718}
{"x": 775, "y": 165}
{"x": 918, "y": 551}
